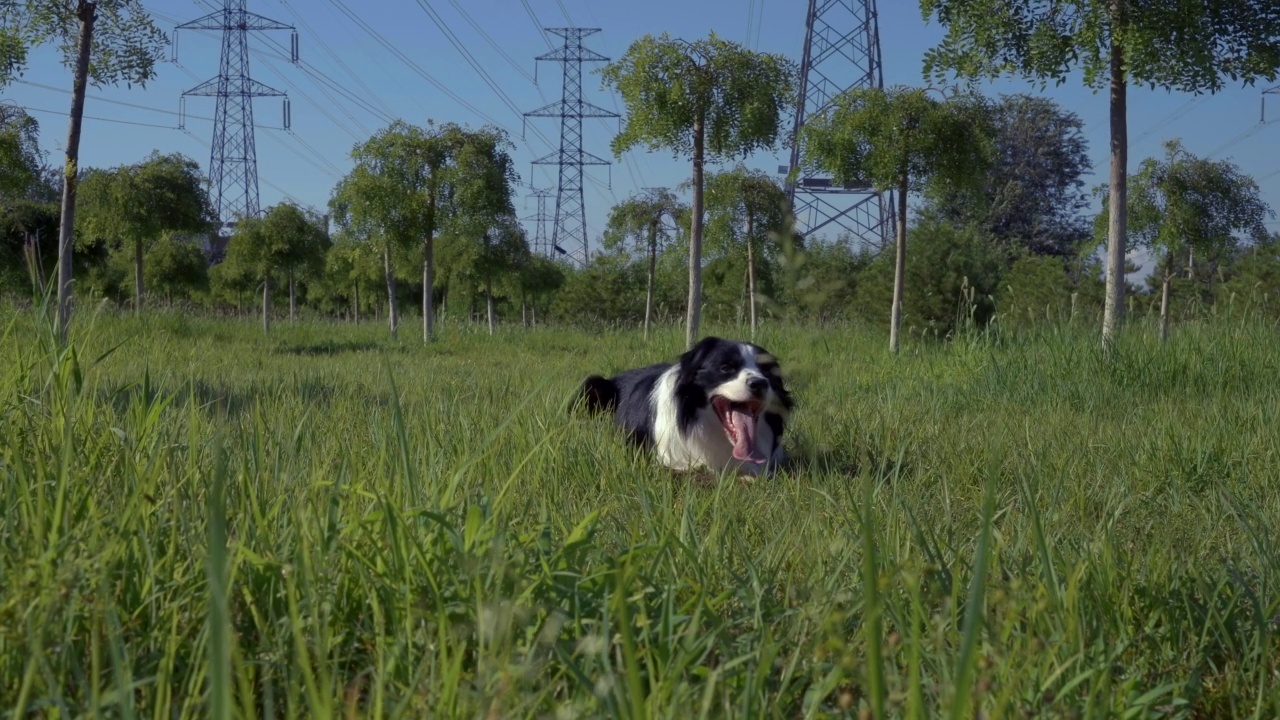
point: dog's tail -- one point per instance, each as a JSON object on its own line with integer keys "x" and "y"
{"x": 596, "y": 395}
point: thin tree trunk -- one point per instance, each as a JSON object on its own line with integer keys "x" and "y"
{"x": 653, "y": 263}
{"x": 751, "y": 272}
{"x": 1113, "y": 312}
{"x": 266, "y": 306}
{"x": 137, "y": 275}
{"x": 293, "y": 298}
{"x": 694, "y": 314}
{"x": 488, "y": 300}
{"x": 899, "y": 268}
{"x": 87, "y": 12}
{"x": 1164, "y": 308}
{"x": 533, "y": 312}
{"x": 428, "y": 288}
{"x": 393, "y": 315}
{"x": 357, "y": 297}
{"x": 524, "y": 312}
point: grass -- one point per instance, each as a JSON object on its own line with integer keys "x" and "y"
{"x": 200, "y": 522}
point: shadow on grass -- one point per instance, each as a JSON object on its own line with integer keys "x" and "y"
{"x": 330, "y": 348}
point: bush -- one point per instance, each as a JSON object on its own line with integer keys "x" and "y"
{"x": 952, "y": 275}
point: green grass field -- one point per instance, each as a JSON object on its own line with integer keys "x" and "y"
{"x": 201, "y": 522}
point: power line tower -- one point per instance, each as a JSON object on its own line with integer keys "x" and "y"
{"x": 233, "y": 161}
{"x": 541, "y": 242}
{"x": 569, "y": 230}
{"x": 841, "y": 52}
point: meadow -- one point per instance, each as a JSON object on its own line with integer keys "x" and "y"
{"x": 198, "y": 521}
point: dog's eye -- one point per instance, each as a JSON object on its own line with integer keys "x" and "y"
{"x": 728, "y": 368}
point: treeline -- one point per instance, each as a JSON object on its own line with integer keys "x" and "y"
{"x": 1017, "y": 247}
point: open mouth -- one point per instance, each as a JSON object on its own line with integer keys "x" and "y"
{"x": 740, "y": 420}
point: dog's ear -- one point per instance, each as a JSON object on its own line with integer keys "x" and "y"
{"x": 694, "y": 358}
{"x": 596, "y": 395}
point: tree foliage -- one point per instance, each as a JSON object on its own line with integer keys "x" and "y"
{"x": 707, "y": 99}
{"x": 647, "y": 222}
{"x": 1184, "y": 208}
{"x": 900, "y": 139}
{"x": 134, "y": 205}
{"x": 20, "y": 157}
{"x": 1182, "y": 46}
{"x": 126, "y": 43}
{"x": 745, "y": 210}
{"x": 267, "y": 248}
{"x": 1033, "y": 195}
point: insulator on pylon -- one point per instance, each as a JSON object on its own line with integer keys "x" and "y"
{"x": 288, "y": 114}
{"x": 293, "y": 47}
{"x": 182, "y": 113}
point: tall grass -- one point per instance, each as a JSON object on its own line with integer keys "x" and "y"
{"x": 197, "y": 521}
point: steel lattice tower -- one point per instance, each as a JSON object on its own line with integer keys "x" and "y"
{"x": 233, "y": 162}
{"x": 841, "y": 52}
{"x": 541, "y": 243}
{"x": 569, "y": 231}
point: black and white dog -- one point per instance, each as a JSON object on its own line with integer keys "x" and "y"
{"x": 722, "y": 406}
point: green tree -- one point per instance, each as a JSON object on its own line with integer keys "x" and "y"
{"x": 900, "y": 139}
{"x": 745, "y": 208}
{"x": 1187, "y": 47}
{"x": 351, "y": 266}
{"x": 536, "y": 280}
{"x": 1183, "y": 207}
{"x": 648, "y": 222}
{"x": 176, "y": 268}
{"x": 710, "y": 99}
{"x": 137, "y": 204}
{"x": 20, "y": 158}
{"x": 106, "y": 42}
{"x": 268, "y": 247}
{"x": 1033, "y": 194}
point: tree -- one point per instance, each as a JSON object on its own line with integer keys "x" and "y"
{"x": 176, "y": 268}
{"x": 137, "y": 204}
{"x": 20, "y": 158}
{"x": 1187, "y": 47}
{"x": 708, "y": 99}
{"x": 900, "y": 139}
{"x": 482, "y": 184}
{"x": 640, "y": 220}
{"x": 1033, "y": 195}
{"x": 124, "y": 47}
{"x": 268, "y": 246}
{"x": 351, "y": 265}
{"x": 536, "y": 279}
{"x": 1183, "y": 207}
{"x": 745, "y": 207}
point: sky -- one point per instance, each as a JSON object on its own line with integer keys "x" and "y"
{"x": 399, "y": 62}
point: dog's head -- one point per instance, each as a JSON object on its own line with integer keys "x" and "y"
{"x": 742, "y": 383}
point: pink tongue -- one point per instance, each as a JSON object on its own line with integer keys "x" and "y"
{"x": 745, "y": 449}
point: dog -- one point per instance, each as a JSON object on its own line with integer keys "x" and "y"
{"x": 721, "y": 406}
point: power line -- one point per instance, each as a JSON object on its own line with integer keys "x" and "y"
{"x": 1241, "y": 137}
{"x": 466, "y": 55}
{"x": 99, "y": 98}
{"x": 487, "y": 38}
{"x": 28, "y": 108}
{"x": 302, "y": 20}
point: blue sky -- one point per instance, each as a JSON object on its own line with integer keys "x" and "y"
{"x": 304, "y": 164}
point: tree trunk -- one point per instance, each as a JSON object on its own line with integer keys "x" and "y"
{"x": 266, "y": 306}
{"x": 524, "y": 312}
{"x": 393, "y": 315}
{"x": 488, "y": 301}
{"x": 428, "y": 288}
{"x": 87, "y": 12}
{"x": 1113, "y": 312}
{"x": 653, "y": 263}
{"x": 137, "y": 275}
{"x": 293, "y": 298}
{"x": 899, "y": 268}
{"x": 694, "y": 315}
{"x": 533, "y": 313}
{"x": 751, "y": 273}
{"x": 357, "y": 298}
{"x": 1164, "y": 308}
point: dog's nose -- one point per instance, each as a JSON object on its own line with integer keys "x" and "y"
{"x": 757, "y": 385}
